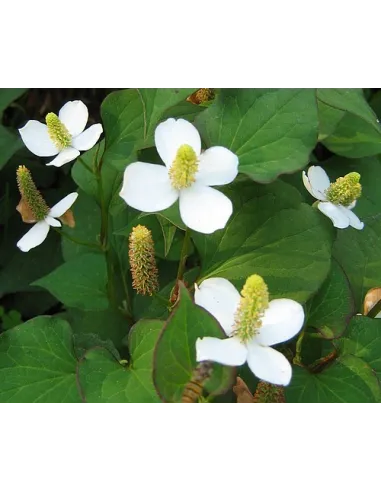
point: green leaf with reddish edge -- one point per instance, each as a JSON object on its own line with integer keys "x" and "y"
{"x": 130, "y": 117}
{"x": 273, "y": 234}
{"x": 363, "y": 339}
{"x": 175, "y": 352}
{"x": 273, "y": 131}
{"x": 37, "y": 363}
{"x": 80, "y": 282}
{"x": 347, "y": 380}
{"x": 104, "y": 380}
{"x": 333, "y": 306}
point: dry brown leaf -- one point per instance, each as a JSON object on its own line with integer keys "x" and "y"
{"x": 371, "y": 299}
{"x": 68, "y": 218}
{"x": 242, "y": 392}
{"x": 26, "y": 213}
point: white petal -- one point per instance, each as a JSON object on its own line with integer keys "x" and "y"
{"x": 87, "y": 139}
{"x": 65, "y": 156}
{"x": 217, "y": 166}
{"x": 36, "y": 138}
{"x": 171, "y": 134}
{"x": 230, "y": 351}
{"x": 74, "y": 115}
{"x": 34, "y": 237}
{"x": 147, "y": 187}
{"x": 354, "y": 221}
{"x": 307, "y": 184}
{"x": 283, "y": 319}
{"x": 220, "y": 298}
{"x": 52, "y": 222}
{"x": 319, "y": 181}
{"x": 334, "y": 212}
{"x": 352, "y": 205}
{"x": 204, "y": 209}
{"x": 268, "y": 364}
{"x": 63, "y": 205}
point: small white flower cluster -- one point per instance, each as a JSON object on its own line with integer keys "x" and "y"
{"x": 188, "y": 175}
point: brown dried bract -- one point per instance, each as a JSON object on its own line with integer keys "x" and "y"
{"x": 68, "y": 218}
{"x": 242, "y": 392}
{"x": 371, "y": 299}
{"x": 26, "y": 213}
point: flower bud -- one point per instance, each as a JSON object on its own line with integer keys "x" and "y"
{"x": 32, "y": 206}
{"x": 142, "y": 261}
{"x": 252, "y": 307}
{"x": 346, "y": 190}
{"x": 269, "y": 393}
{"x": 57, "y": 131}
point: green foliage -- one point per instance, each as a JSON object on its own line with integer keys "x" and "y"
{"x": 348, "y": 125}
{"x": 106, "y": 380}
{"x": 332, "y": 306}
{"x": 273, "y": 131}
{"x": 347, "y": 380}
{"x": 100, "y": 341}
{"x": 270, "y": 233}
{"x": 37, "y": 363}
{"x": 175, "y": 359}
{"x": 79, "y": 283}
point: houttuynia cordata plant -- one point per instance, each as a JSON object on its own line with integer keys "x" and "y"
{"x": 190, "y": 245}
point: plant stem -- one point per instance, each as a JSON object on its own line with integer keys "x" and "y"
{"x": 78, "y": 241}
{"x": 298, "y": 350}
{"x": 184, "y": 255}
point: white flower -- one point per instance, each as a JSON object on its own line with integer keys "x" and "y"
{"x": 37, "y": 234}
{"x": 187, "y": 175}
{"x": 282, "y": 320}
{"x": 63, "y": 134}
{"x": 317, "y": 183}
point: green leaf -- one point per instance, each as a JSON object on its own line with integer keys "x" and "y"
{"x": 86, "y": 341}
{"x": 21, "y": 269}
{"x": 175, "y": 352}
{"x": 130, "y": 117}
{"x": 363, "y": 339}
{"x": 167, "y": 238}
{"x": 329, "y": 118}
{"x": 80, "y": 282}
{"x": 9, "y": 95}
{"x": 11, "y": 319}
{"x": 107, "y": 325}
{"x": 37, "y": 363}
{"x": 87, "y": 228}
{"x": 333, "y": 306}
{"x": 347, "y": 380}
{"x": 104, "y": 379}
{"x": 357, "y": 133}
{"x": 84, "y": 174}
{"x": 272, "y": 234}
{"x": 9, "y": 145}
{"x": 158, "y": 306}
{"x": 273, "y": 131}
{"x": 359, "y": 252}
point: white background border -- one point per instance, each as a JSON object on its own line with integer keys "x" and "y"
{"x": 222, "y": 447}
